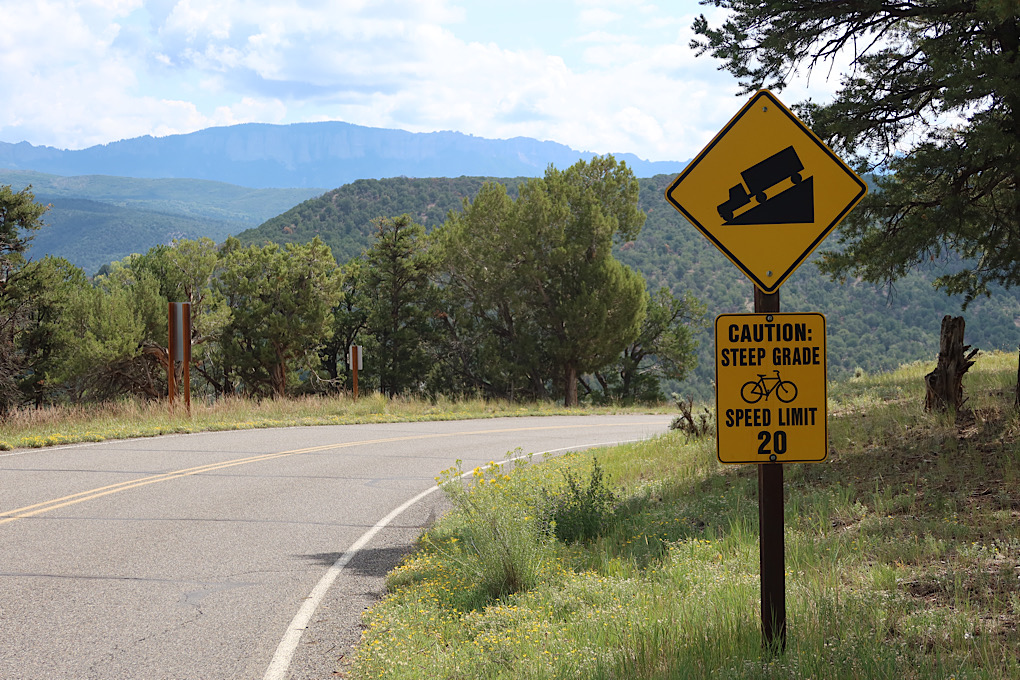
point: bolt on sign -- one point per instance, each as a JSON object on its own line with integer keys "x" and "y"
{"x": 771, "y": 396}
{"x": 766, "y": 191}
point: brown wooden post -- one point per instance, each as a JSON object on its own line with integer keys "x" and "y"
{"x": 355, "y": 359}
{"x": 186, "y": 338}
{"x": 1016, "y": 396}
{"x": 179, "y": 350}
{"x": 171, "y": 377}
{"x": 772, "y": 547}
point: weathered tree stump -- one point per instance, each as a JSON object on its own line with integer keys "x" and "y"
{"x": 944, "y": 385}
{"x": 1016, "y": 396}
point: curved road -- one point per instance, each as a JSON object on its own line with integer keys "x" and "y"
{"x": 233, "y": 554}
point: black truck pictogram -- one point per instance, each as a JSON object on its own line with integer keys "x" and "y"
{"x": 760, "y": 177}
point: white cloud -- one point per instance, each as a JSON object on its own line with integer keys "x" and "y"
{"x": 617, "y": 76}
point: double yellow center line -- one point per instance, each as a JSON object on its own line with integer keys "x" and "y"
{"x": 92, "y": 494}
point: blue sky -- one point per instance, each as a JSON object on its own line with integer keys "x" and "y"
{"x": 596, "y": 75}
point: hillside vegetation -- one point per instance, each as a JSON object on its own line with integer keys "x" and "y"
{"x": 95, "y": 234}
{"x": 902, "y": 556}
{"x": 869, "y": 327}
{"x": 522, "y": 299}
{"x": 470, "y": 323}
{"x": 342, "y": 218}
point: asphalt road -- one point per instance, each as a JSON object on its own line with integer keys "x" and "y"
{"x": 233, "y": 554}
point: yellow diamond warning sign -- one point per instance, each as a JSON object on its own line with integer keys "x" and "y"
{"x": 766, "y": 191}
{"x": 770, "y": 388}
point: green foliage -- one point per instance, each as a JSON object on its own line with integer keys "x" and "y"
{"x": 19, "y": 215}
{"x": 43, "y": 293}
{"x": 350, "y": 317}
{"x": 665, "y": 350}
{"x": 588, "y": 304}
{"x": 202, "y": 200}
{"x": 96, "y": 219}
{"x": 115, "y": 319}
{"x": 280, "y": 301}
{"x": 92, "y": 234}
{"x": 496, "y": 353}
{"x": 343, "y": 217}
{"x": 399, "y": 300}
{"x": 534, "y": 281}
{"x": 491, "y": 343}
{"x": 580, "y": 513}
{"x": 932, "y": 101}
{"x": 901, "y": 321}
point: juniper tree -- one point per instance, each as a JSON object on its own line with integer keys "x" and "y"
{"x": 930, "y": 103}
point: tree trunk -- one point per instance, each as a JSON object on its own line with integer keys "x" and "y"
{"x": 570, "y": 388}
{"x": 944, "y": 385}
{"x": 278, "y": 377}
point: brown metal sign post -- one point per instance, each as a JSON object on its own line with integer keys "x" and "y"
{"x": 772, "y": 545}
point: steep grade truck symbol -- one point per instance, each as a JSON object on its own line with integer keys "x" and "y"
{"x": 763, "y": 176}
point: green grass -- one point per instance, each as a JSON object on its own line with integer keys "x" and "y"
{"x": 50, "y": 426}
{"x": 902, "y": 558}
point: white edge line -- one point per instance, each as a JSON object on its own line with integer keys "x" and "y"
{"x": 280, "y": 664}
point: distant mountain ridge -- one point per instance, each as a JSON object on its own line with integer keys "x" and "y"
{"x": 327, "y": 154}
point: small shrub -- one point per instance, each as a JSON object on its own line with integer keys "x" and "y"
{"x": 580, "y": 513}
{"x": 504, "y": 551}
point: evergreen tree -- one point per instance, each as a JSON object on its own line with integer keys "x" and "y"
{"x": 114, "y": 319}
{"x": 665, "y": 349}
{"x": 488, "y": 335}
{"x": 401, "y": 297}
{"x": 186, "y": 271}
{"x": 536, "y": 297}
{"x": 280, "y": 301}
{"x": 19, "y": 215}
{"x": 587, "y": 305}
{"x": 931, "y": 101}
{"x": 44, "y": 292}
{"x": 350, "y": 316}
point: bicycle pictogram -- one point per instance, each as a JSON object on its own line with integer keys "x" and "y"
{"x": 753, "y": 390}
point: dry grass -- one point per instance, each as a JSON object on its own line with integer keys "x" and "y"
{"x": 48, "y": 426}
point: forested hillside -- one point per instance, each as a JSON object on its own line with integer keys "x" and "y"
{"x": 342, "y": 218}
{"x": 95, "y": 219}
{"x": 91, "y": 234}
{"x": 869, "y": 327}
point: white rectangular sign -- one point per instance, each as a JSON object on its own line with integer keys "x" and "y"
{"x": 355, "y": 351}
